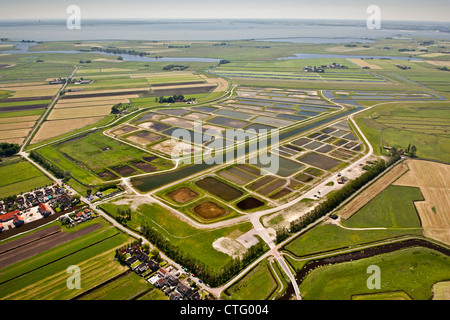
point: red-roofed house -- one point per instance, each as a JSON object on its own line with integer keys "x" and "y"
{"x": 18, "y": 221}
{"x": 44, "y": 210}
{"x": 8, "y": 216}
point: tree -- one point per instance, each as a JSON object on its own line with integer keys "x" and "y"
{"x": 413, "y": 151}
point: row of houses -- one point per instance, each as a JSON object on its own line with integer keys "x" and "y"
{"x": 167, "y": 280}
{"x": 18, "y": 220}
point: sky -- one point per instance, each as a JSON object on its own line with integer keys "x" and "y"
{"x": 421, "y": 10}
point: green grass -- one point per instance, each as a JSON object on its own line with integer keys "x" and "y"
{"x": 56, "y": 260}
{"x": 192, "y": 241}
{"x": 424, "y": 125}
{"x": 124, "y": 288}
{"x": 413, "y": 270}
{"x": 392, "y": 209}
{"x": 24, "y": 103}
{"x": 257, "y": 284}
{"x": 94, "y": 153}
{"x": 21, "y": 177}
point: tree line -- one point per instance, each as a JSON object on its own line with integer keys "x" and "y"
{"x": 57, "y": 172}
{"x": 200, "y": 269}
{"x": 335, "y": 198}
{"x": 8, "y": 149}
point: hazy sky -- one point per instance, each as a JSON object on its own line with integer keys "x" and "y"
{"x": 428, "y": 10}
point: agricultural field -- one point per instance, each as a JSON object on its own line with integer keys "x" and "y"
{"x": 126, "y": 287}
{"x": 94, "y": 158}
{"x": 400, "y": 124}
{"x": 263, "y": 282}
{"x": 430, "y": 177}
{"x": 213, "y": 215}
{"x": 43, "y": 275}
{"x": 186, "y": 237}
{"x": 20, "y": 176}
{"x": 411, "y": 271}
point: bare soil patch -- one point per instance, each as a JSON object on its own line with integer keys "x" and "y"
{"x": 209, "y": 210}
{"x": 182, "y": 195}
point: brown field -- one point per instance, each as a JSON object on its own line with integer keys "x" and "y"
{"x": 50, "y": 129}
{"x": 32, "y": 245}
{"x": 168, "y": 147}
{"x": 22, "y": 84}
{"x": 33, "y": 91}
{"x": 13, "y": 126}
{"x": 209, "y": 210}
{"x": 440, "y": 63}
{"x": 16, "y": 133}
{"x": 124, "y": 129}
{"x": 144, "y": 137}
{"x": 74, "y": 113}
{"x": 80, "y": 93}
{"x": 98, "y": 100}
{"x": 13, "y": 140}
{"x": 182, "y": 195}
{"x": 433, "y": 180}
{"x": 363, "y": 63}
{"x": 18, "y": 119}
{"x": 372, "y": 191}
{"x": 222, "y": 84}
{"x": 183, "y": 86}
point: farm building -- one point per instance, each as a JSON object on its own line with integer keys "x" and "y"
{"x": 8, "y": 216}
{"x": 18, "y": 221}
{"x": 44, "y": 210}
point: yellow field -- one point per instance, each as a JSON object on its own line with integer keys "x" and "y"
{"x": 77, "y": 93}
{"x": 16, "y": 133}
{"x": 222, "y": 84}
{"x": 22, "y": 84}
{"x": 87, "y": 71}
{"x": 372, "y": 191}
{"x": 18, "y": 119}
{"x": 99, "y": 100}
{"x": 33, "y": 91}
{"x": 13, "y": 126}
{"x": 433, "y": 180}
{"x": 84, "y": 105}
{"x": 13, "y": 140}
{"x": 440, "y": 63}
{"x": 85, "y": 112}
{"x": 50, "y": 129}
{"x": 363, "y": 63}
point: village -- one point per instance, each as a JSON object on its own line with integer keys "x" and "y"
{"x": 39, "y": 204}
{"x": 176, "y": 284}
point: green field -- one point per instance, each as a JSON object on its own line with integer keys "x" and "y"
{"x": 190, "y": 240}
{"x": 44, "y": 275}
{"x": 413, "y": 270}
{"x": 261, "y": 283}
{"x": 94, "y": 153}
{"x": 392, "y": 209}
{"x": 423, "y": 124}
{"x": 20, "y": 177}
{"x": 127, "y": 287}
